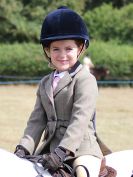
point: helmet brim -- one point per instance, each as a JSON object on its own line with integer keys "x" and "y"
{"x": 45, "y": 42}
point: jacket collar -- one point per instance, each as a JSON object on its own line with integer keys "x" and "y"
{"x": 75, "y": 68}
{"x": 67, "y": 77}
{"x": 48, "y": 86}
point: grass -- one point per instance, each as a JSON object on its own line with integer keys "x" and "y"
{"x": 114, "y": 115}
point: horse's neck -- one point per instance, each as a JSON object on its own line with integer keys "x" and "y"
{"x": 122, "y": 161}
{"x": 13, "y": 166}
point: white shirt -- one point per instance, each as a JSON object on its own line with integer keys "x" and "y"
{"x": 60, "y": 75}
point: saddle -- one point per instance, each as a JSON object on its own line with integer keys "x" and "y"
{"x": 67, "y": 171}
{"x": 106, "y": 171}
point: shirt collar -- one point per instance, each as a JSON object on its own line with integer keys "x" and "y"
{"x": 71, "y": 71}
{"x": 60, "y": 75}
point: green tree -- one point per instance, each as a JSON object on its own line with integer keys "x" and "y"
{"x": 36, "y": 10}
{"x": 91, "y": 4}
{"x": 14, "y": 26}
{"x": 107, "y": 23}
{"x": 9, "y": 12}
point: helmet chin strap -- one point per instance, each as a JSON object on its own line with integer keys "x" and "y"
{"x": 81, "y": 50}
{"x": 45, "y": 53}
{"x": 50, "y": 65}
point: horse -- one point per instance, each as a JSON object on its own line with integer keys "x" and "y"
{"x": 13, "y": 166}
{"x": 100, "y": 72}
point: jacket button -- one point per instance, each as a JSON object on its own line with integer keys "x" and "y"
{"x": 50, "y": 103}
{"x": 53, "y": 118}
{"x": 52, "y": 131}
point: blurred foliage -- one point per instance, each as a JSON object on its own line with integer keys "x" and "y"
{"x": 22, "y": 60}
{"x": 21, "y": 19}
{"x": 117, "y": 58}
{"x": 91, "y": 4}
{"x": 27, "y": 59}
{"x": 108, "y": 23}
{"x": 107, "y": 20}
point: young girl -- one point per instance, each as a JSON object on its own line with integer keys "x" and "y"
{"x": 66, "y": 98}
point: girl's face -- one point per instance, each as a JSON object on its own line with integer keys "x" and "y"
{"x": 64, "y": 54}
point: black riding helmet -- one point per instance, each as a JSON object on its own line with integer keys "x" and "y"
{"x": 63, "y": 23}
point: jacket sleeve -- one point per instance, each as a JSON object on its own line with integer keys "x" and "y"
{"x": 35, "y": 126}
{"x": 85, "y": 95}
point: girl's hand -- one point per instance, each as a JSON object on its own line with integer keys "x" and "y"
{"x": 21, "y": 151}
{"x": 54, "y": 160}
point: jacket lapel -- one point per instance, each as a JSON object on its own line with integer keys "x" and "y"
{"x": 63, "y": 83}
{"x": 48, "y": 87}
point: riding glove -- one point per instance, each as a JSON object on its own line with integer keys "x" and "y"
{"x": 55, "y": 159}
{"x": 51, "y": 161}
{"x": 21, "y": 151}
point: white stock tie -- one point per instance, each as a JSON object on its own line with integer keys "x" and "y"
{"x": 55, "y": 82}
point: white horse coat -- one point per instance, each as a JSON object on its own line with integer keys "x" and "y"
{"x": 12, "y": 166}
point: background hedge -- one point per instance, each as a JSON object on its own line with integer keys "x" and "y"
{"x": 109, "y": 23}
{"x": 27, "y": 59}
{"x": 117, "y": 58}
{"x": 22, "y": 60}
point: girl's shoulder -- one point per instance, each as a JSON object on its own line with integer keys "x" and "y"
{"x": 46, "y": 77}
{"x": 84, "y": 73}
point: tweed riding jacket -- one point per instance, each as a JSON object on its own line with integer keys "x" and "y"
{"x": 64, "y": 115}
